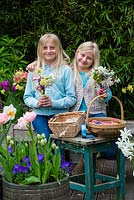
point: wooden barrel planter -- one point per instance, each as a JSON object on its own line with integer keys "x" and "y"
{"x": 49, "y": 191}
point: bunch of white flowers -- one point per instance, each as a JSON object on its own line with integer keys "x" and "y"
{"x": 105, "y": 77}
{"x": 126, "y": 144}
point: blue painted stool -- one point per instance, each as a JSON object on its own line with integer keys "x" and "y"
{"x": 89, "y": 148}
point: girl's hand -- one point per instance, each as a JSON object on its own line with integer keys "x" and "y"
{"x": 107, "y": 94}
{"x": 44, "y": 101}
{"x": 31, "y": 67}
{"x": 102, "y": 91}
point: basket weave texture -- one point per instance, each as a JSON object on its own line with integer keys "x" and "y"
{"x": 67, "y": 124}
{"x": 105, "y": 126}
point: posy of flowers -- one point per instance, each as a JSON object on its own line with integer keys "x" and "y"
{"x": 104, "y": 77}
{"x": 42, "y": 81}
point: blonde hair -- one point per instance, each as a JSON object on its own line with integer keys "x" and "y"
{"x": 86, "y": 46}
{"x": 61, "y": 56}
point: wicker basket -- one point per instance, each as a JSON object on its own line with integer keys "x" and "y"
{"x": 67, "y": 124}
{"x": 105, "y": 126}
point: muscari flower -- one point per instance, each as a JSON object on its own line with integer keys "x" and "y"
{"x": 10, "y": 150}
{"x": 16, "y": 169}
{"x": 40, "y": 157}
{"x": 65, "y": 165}
{"x": 23, "y": 169}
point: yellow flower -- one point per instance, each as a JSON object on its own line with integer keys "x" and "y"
{"x": 124, "y": 90}
{"x": 2, "y": 91}
{"x": 19, "y": 87}
{"x": 130, "y": 88}
{"x": 43, "y": 81}
{"x": 38, "y": 71}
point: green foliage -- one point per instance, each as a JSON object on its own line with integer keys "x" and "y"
{"x": 12, "y": 58}
{"x": 109, "y": 23}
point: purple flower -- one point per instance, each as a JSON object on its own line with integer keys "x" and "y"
{"x": 23, "y": 169}
{"x": 5, "y": 85}
{"x": 19, "y": 168}
{"x": 1, "y": 169}
{"x": 16, "y": 169}
{"x": 10, "y": 150}
{"x": 40, "y": 157}
{"x": 29, "y": 164}
{"x": 14, "y": 88}
{"x": 66, "y": 166}
{"x": 26, "y": 159}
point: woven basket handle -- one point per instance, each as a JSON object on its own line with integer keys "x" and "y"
{"x": 52, "y": 119}
{"x": 91, "y": 102}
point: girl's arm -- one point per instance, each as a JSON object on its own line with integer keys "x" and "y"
{"x": 31, "y": 67}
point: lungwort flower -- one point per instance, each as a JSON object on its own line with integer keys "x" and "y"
{"x": 34, "y": 162}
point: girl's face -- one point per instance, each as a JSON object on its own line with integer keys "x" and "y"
{"x": 84, "y": 60}
{"x": 49, "y": 52}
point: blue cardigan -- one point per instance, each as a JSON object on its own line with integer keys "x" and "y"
{"x": 61, "y": 92}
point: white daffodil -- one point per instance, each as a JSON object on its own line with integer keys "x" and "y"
{"x": 10, "y": 111}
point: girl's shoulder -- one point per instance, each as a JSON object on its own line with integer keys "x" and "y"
{"x": 66, "y": 67}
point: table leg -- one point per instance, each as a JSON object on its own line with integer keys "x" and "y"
{"x": 121, "y": 174}
{"x": 89, "y": 174}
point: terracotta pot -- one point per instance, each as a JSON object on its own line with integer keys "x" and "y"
{"x": 49, "y": 191}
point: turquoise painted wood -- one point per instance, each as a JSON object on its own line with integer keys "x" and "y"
{"x": 89, "y": 148}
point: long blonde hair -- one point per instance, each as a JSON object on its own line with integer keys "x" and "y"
{"x": 61, "y": 56}
{"x": 86, "y": 46}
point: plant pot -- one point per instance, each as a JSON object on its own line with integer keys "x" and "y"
{"x": 49, "y": 191}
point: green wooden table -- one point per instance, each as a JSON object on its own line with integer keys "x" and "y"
{"x": 89, "y": 148}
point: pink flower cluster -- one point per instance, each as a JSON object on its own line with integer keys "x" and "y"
{"x": 4, "y": 118}
{"x": 27, "y": 118}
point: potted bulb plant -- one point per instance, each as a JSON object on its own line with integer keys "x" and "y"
{"x": 33, "y": 170}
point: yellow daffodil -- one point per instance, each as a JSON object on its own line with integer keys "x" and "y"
{"x": 130, "y": 88}
{"x": 2, "y": 91}
{"x": 124, "y": 90}
{"x": 19, "y": 87}
{"x": 10, "y": 111}
{"x": 43, "y": 81}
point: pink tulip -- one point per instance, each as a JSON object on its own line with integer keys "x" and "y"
{"x": 30, "y": 116}
{"x": 21, "y": 123}
{"x": 3, "y": 118}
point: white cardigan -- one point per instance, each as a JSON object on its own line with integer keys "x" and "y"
{"x": 88, "y": 93}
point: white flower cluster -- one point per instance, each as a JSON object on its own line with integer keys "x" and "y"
{"x": 104, "y": 76}
{"x": 126, "y": 143}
